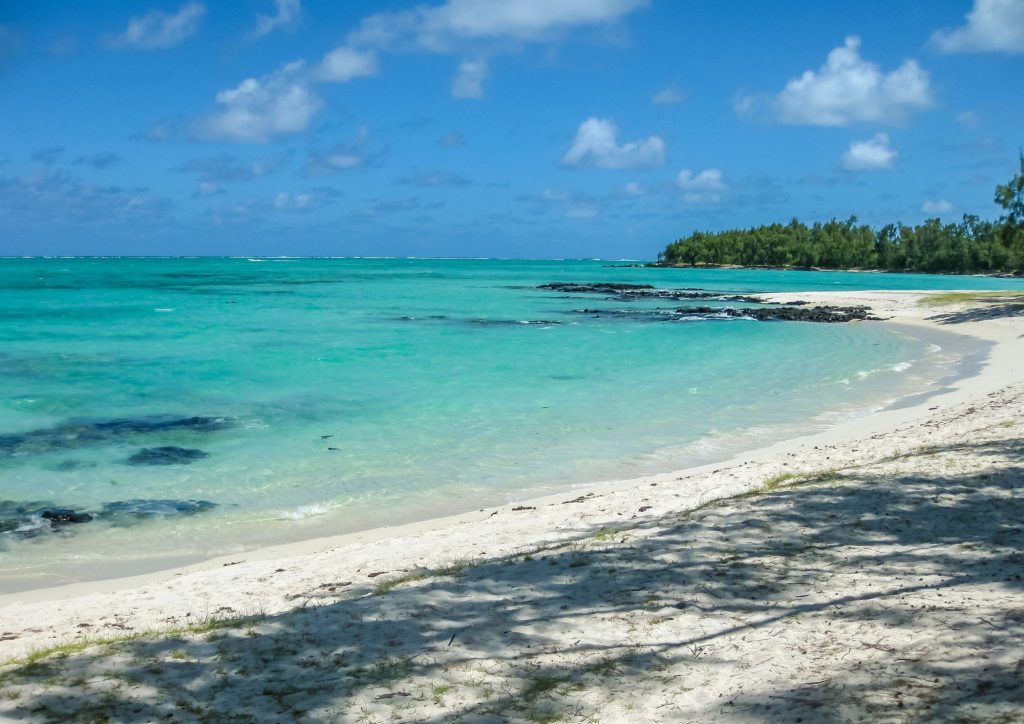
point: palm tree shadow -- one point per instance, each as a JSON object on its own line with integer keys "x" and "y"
{"x": 977, "y": 314}
{"x": 560, "y": 630}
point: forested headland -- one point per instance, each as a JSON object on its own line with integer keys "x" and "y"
{"x": 970, "y": 246}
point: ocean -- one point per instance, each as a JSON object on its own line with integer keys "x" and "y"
{"x": 159, "y": 411}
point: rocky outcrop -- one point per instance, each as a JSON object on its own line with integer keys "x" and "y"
{"x": 820, "y": 314}
{"x": 78, "y": 434}
{"x": 166, "y": 455}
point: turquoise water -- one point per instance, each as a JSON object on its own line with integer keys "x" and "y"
{"x": 341, "y": 394}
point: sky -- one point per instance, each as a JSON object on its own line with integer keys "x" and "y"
{"x": 521, "y": 128}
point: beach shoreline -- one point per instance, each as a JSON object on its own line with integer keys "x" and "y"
{"x": 730, "y": 448}
{"x": 220, "y": 582}
{"x": 869, "y": 572}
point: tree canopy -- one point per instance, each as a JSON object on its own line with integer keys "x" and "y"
{"x": 969, "y": 246}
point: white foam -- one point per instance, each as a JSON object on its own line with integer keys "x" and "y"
{"x": 901, "y": 367}
{"x": 305, "y": 511}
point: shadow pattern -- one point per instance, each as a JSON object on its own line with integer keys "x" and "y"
{"x": 884, "y": 594}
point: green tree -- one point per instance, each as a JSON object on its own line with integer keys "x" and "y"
{"x": 1011, "y": 197}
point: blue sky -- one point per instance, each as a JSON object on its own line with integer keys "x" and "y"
{"x": 522, "y": 128}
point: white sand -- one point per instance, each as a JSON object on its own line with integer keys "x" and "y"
{"x": 888, "y": 587}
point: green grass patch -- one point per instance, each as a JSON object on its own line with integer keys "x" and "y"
{"x": 61, "y": 651}
{"x": 450, "y": 569}
{"x": 947, "y": 298}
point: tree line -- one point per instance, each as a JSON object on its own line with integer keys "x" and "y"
{"x": 970, "y": 246}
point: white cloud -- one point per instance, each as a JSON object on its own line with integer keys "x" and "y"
{"x": 157, "y": 29}
{"x": 744, "y": 103}
{"x": 205, "y": 189}
{"x": 484, "y": 28}
{"x": 341, "y": 157}
{"x": 469, "y": 81}
{"x": 938, "y": 207}
{"x": 433, "y": 179}
{"x": 286, "y": 11}
{"x": 633, "y": 189}
{"x": 567, "y": 204}
{"x": 595, "y": 144}
{"x": 668, "y": 95}
{"x": 968, "y": 119}
{"x": 279, "y": 103}
{"x": 706, "y": 187}
{"x": 226, "y": 168}
{"x": 441, "y": 28}
{"x": 343, "y": 64}
{"x": 993, "y": 25}
{"x": 293, "y": 202}
{"x": 848, "y": 89}
{"x": 870, "y": 155}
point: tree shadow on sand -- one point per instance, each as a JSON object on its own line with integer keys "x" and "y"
{"x": 862, "y": 580}
{"x": 978, "y": 314}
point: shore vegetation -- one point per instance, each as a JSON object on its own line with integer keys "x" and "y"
{"x": 971, "y": 245}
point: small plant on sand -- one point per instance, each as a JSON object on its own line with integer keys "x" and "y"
{"x": 453, "y": 568}
{"x": 437, "y": 692}
{"x": 776, "y": 480}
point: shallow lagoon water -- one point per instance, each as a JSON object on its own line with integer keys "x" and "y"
{"x": 352, "y": 393}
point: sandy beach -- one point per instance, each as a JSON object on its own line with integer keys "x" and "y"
{"x": 872, "y": 571}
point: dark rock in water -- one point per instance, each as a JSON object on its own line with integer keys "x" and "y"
{"x": 77, "y": 434}
{"x": 32, "y": 519}
{"x": 510, "y": 322}
{"x": 632, "y": 292}
{"x": 479, "y": 321}
{"x": 167, "y": 455}
{"x": 826, "y": 315}
{"x": 67, "y": 465}
{"x": 636, "y": 315}
{"x": 143, "y": 508}
{"x": 598, "y": 287}
{"x": 64, "y": 516}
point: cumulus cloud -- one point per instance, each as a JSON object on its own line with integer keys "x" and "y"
{"x": 871, "y": 155}
{"x": 432, "y": 179}
{"x": 344, "y": 63}
{"x": 669, "y": 95}
{"x": 51, "y": 196}
{"x": 206, "y": 189}
{"x": 569, "y": 205}
{"x": 458, "y": 26}
{"x": 968, "y": 119}
{"x": 707, "y": 187}
{"x": 440, "y": 28}
{"x": 595, "y": 144}
{"x": 157, "y": 30}
{"x": 848, "y": 89}
{"x": 286, "y": 12}
{"x": 226, "y": 168}
{"x": 343, "y": 156}
{"x": 992, "y": 26}
{"x": 279, "y": 103}
{"x": 294, "y": 202}
{"x": 469, "y": 81}
{"x": 937, "y": 207}
{"x": 98, "y": 161}
{"x": 632, "y": 189}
